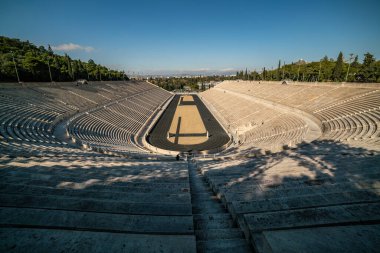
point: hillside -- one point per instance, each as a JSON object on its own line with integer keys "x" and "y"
{"x": 33, "y": 64}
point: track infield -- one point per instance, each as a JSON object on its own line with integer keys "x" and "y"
{"x": 187, "y": 126}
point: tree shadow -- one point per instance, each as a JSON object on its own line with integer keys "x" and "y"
{"x": 289, "y": 190}
{"x": 87, "y": 181}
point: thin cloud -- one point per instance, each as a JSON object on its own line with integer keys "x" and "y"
{"x": 227, "y": 69}
{"x": 72, "y": 47}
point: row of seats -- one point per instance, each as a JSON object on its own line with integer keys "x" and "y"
{"x": 305, "y": 96}
{"x": 115, "y": 125}
{"x": 55, "y": 196}
{"x": 30, "y": 113}
{"x": 357, "y": 118}
{"x": 69, "y": 198}
{"x": 346, "y": 113}
{"x": 292, "y": 201}
{"x": 276, "y": 133}
{"x": 26, "y": 122}
{"x": 255, "y": 124}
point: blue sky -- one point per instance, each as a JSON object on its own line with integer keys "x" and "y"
{"x": 161, "y": 36}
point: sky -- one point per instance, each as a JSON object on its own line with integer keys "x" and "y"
{"x": 179, "y": 36}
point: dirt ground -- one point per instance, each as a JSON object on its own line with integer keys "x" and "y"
{"x": 190, "y": 123}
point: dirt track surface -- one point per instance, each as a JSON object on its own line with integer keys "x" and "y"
{"x": 187, "y": 126}
{"x": 194, "y": 121}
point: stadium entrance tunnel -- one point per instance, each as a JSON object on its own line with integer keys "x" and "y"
{"x": 188, "y": 126}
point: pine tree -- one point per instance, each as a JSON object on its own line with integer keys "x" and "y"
{"x": 368, "y": 70}
{"x": 355, "y": 63}
{"x": 278, "y": 71}
{"x": 50, "y": 51}
{"x": 368, "y": 60}
{"x": 74, "y": 69}
{"x": 69, "y": 68}
{"x": 337, "y": 73}
{"x": 356, "y": 60}
{"x": 264, "y": 74}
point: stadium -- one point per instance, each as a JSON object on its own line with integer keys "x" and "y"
{"x": 245, "y": 166}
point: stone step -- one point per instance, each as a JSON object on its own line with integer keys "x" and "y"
{"x": 280, "y": 169}
{"x": 208, "y": 209}
{"x": 312, "y": 217}
{"x": 223, "y": 245}
{"x": 201, "y": 193}
{"x": 204, "y": 197}
{"x": 94, "y": 182}
{"x": 133, "y": 197}
{"x": 126, "y": 178}
{"x": 306, "y": 201}
{"x": 215, "y": 232}
{"x": 357, "y": 238}
{"x": 56, "y": 241}
{"x": 200, "y": 187}
{"x": 249, "y": 186}
{"x": 246, "y": 169}
{"x": 95, "y": 172}
{"x": 211, "y": 217}
{"x": 201, "y": 190}
{"x": 94, "y": 168}
{"x": 225, "y": 233}
{"x": 298, "y": 189}
{"x": 324, "y": 187}
{"x": 94, "y": 205}
{"x": 284, "y": 167}
{"x": 92, "y": 221}
{"x": 212, "y": 221}
{"x": 305, "y": 181}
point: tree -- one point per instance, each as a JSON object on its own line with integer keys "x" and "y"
{"x": 278, "y": 71}
{"x": 32, "y": 63}
{"x": 368, "y": 71}
{"x": 337, "y": 73}
{"x": 56, "y": 68}
{"x": 264, "y": 74}
{"x": 369, "y": 59}
{"x": 29, "y": 63}
{"x": 50, "y": 51}
{"x": 355, "y": 63}
{"x": 74, "y": 69}
{"x": 69, "y": 67}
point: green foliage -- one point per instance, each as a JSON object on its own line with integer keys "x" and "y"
{"x": 326, "y": 69}
{"x": 370, "y": 71}
{"x": 178, "y": 83}
{"x": 32, "y": 64}
{"x": 368, "y": 60}
{"x": 337, "y": 73}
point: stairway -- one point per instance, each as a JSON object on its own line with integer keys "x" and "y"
{"x": 214, "y": 228}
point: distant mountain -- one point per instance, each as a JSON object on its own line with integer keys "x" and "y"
{"x": 190, "y": 73}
